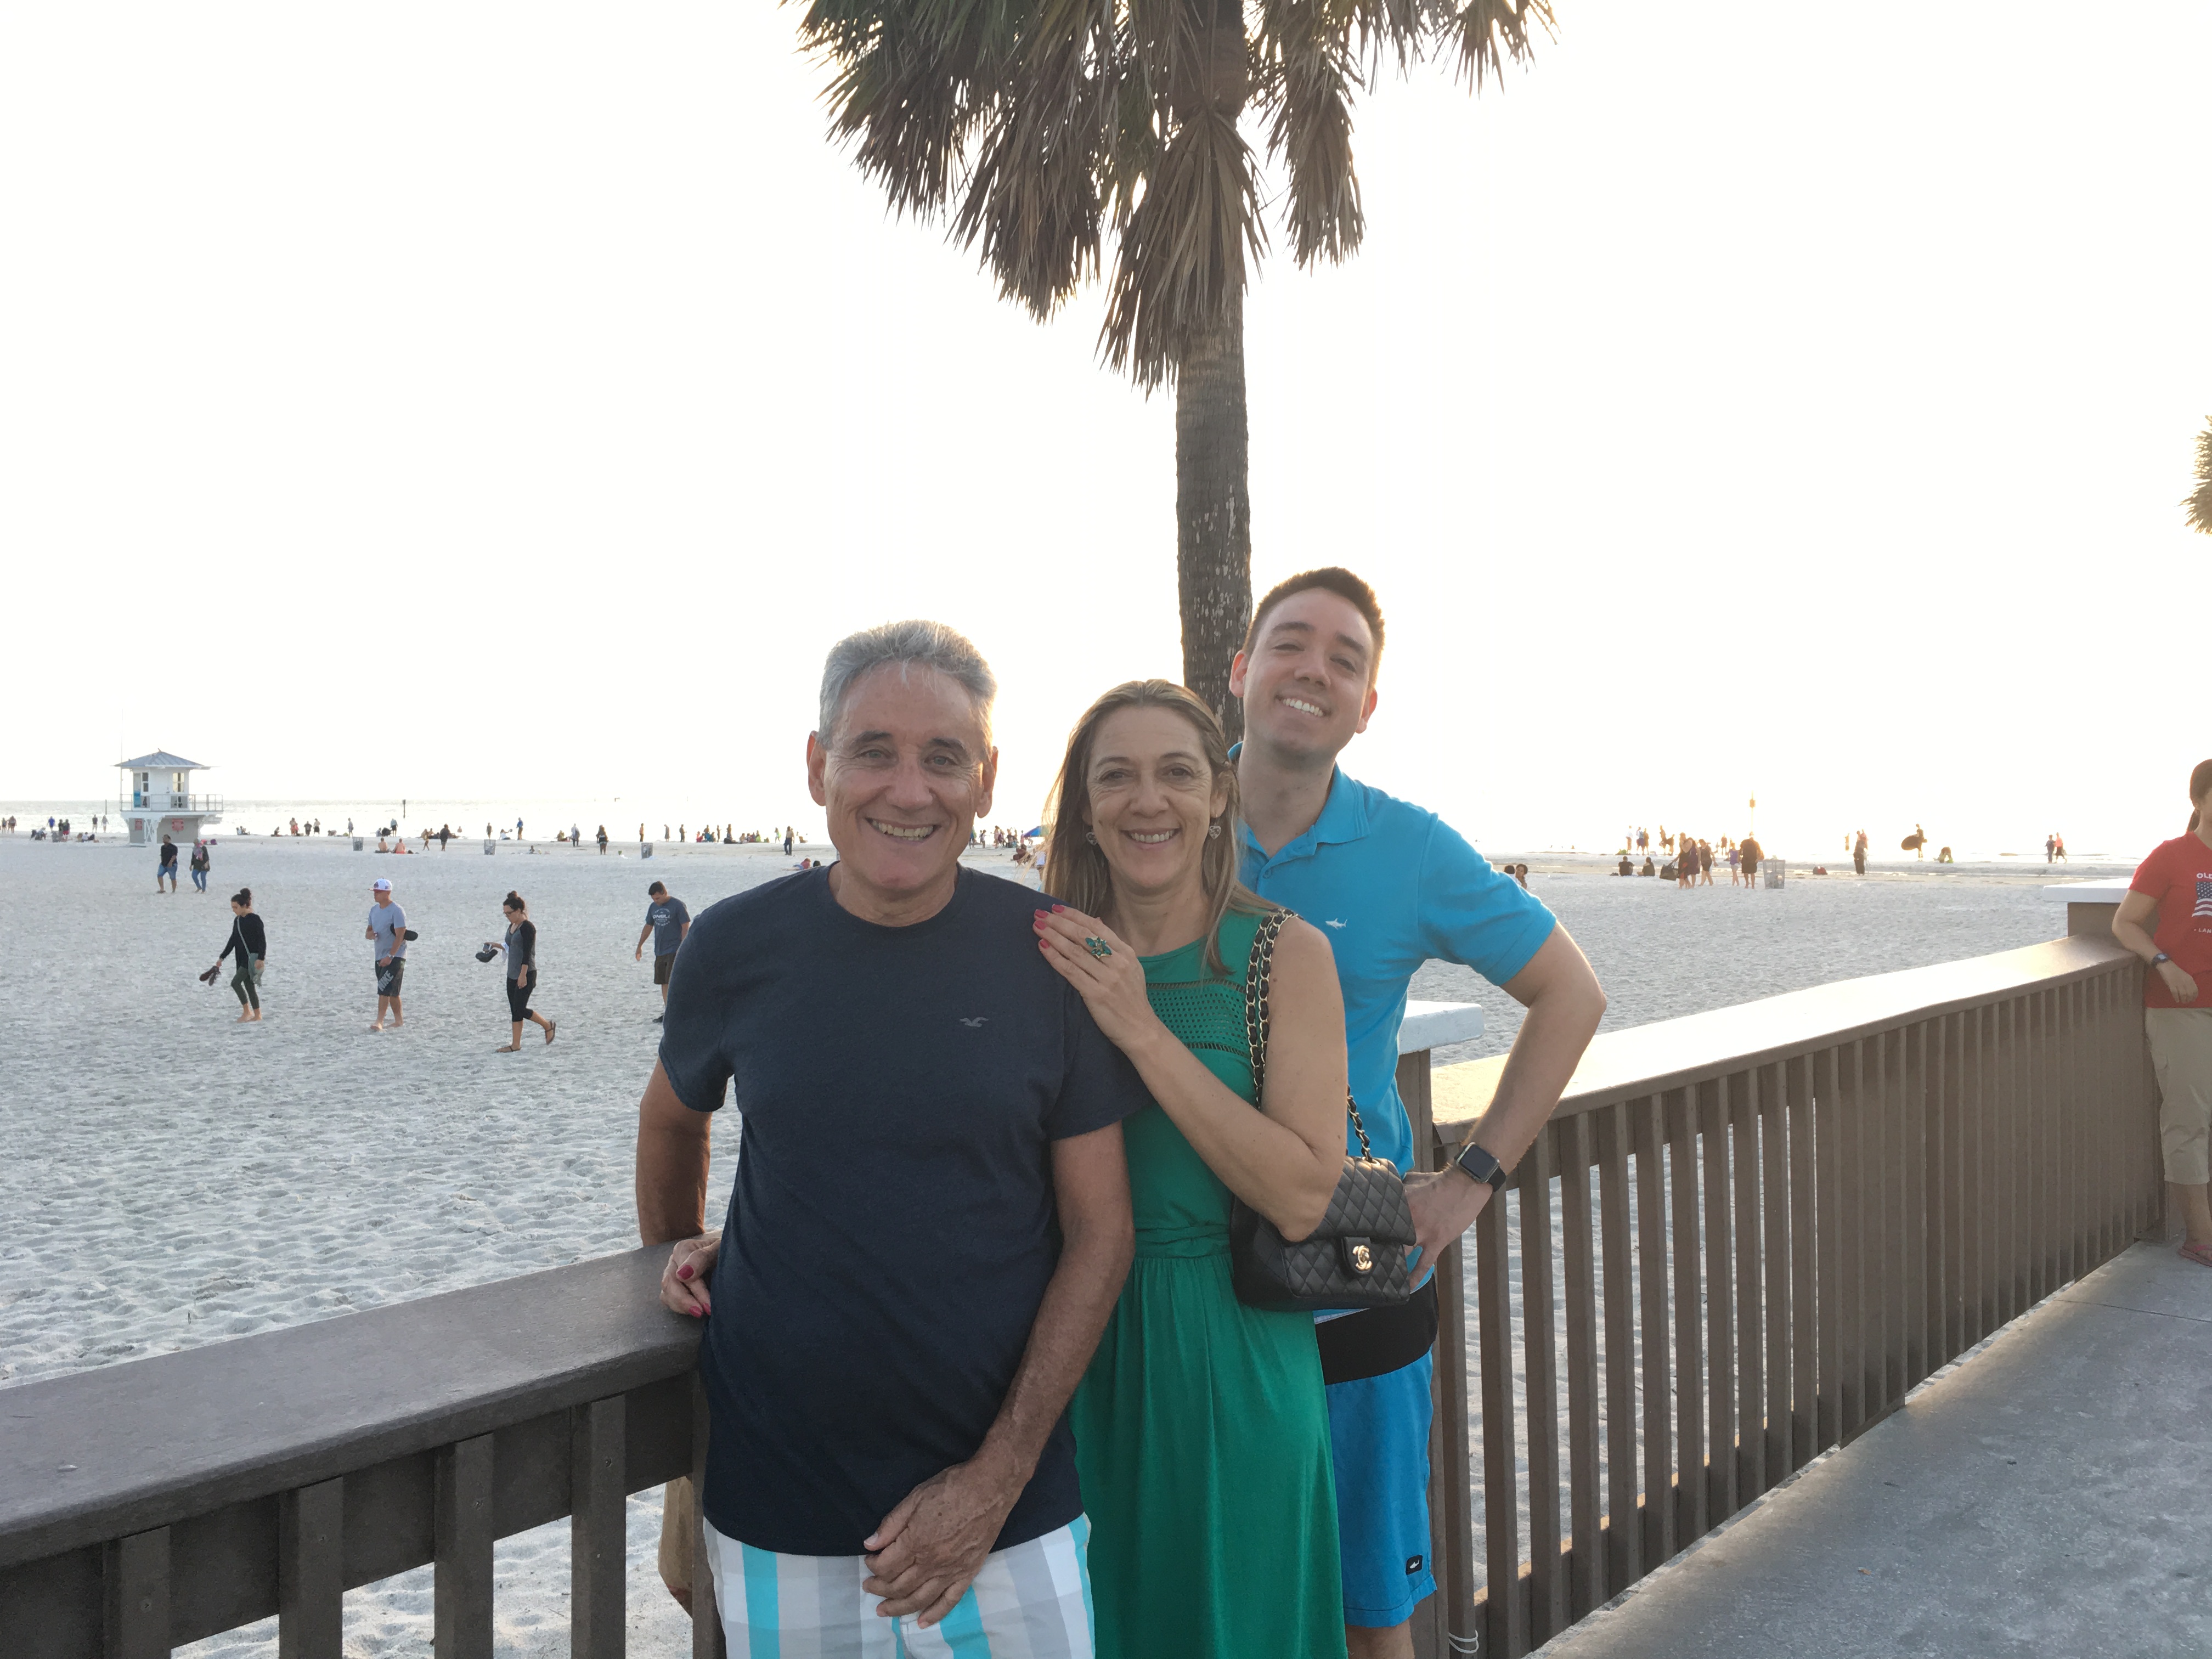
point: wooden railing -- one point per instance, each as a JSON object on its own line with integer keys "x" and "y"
{"x": 148, "y": 1504}
{"x": 1744, "y": 1235}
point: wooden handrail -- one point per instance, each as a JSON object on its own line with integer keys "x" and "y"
{"x": 1773, "y": 1221}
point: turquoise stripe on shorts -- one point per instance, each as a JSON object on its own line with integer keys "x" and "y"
{"x": 1031, "y": 1602}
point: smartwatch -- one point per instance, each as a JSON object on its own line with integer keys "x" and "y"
{"x": 2160, "y": 957}
{"x": 1478, "y": 1165}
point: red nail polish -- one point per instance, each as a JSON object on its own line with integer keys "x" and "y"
{"x": 1059, "y": 910}
{"x": 684, "y": 1273}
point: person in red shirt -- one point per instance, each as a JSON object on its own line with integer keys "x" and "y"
{"x": 2167, "y": 919}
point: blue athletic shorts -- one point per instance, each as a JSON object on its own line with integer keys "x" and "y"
{"x": 1378, "y": 1431}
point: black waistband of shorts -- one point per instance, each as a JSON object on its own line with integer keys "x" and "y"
{"x": 1379, "y": 1341}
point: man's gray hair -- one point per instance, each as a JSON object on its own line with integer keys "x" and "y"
{"x": 909, "y": 644}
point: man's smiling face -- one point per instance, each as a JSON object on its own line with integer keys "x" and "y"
{"x": 903, "y": 777}
{"x": 1305, "y": 682}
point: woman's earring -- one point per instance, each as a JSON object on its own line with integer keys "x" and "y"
{"x": 1212, "y": 831}
{"x": 1091, "y": 836}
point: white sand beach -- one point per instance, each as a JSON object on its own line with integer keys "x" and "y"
{"x": 174, "y": 1178}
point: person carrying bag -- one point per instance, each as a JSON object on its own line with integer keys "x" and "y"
{"x": 250, "y": 941}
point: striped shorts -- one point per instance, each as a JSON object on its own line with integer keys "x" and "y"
{"x": 1032, "y": 1601}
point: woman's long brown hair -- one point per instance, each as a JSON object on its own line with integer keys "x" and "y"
{"x": 1075, "y": 868}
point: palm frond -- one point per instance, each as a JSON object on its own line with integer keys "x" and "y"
{"x": 1490, "y": 30}
{"x": 2198, "y": 505}
{"x": 1183, "y": 250}
{"x": 1305, "y": 87}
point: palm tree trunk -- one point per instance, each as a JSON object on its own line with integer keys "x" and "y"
{"x": 1213, "y": 514}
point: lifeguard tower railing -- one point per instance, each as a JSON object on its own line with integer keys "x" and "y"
{"x": 1741, "y": 1239}
{"x": 161, "y": 800}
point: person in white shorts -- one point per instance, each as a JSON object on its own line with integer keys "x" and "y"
{"x": 930, "y": 1221}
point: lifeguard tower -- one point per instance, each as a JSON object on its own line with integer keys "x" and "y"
{"x": 157, "y": 799}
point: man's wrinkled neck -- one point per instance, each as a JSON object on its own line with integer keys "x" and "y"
{"x": 885, "y": 908}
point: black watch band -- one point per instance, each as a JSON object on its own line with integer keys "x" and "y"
{"x": 1480, "y": 1165}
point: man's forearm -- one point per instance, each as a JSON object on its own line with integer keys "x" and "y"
{"x": 1546, "y": 1051}
{"x": 672, "y": 1184}
{"x": 1094, "y": 1260}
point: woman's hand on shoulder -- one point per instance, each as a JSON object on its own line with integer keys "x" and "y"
{"x": 1112, "y": 985}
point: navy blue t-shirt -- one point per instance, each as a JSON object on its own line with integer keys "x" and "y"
{"x": 892, "y": 1228}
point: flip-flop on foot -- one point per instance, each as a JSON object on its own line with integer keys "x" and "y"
{"x": 2201, "y": 1254}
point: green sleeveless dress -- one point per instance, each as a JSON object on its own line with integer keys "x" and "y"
{"x": 1202, "y": 1430}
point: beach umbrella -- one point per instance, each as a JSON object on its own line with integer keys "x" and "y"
{"x": 1038, "y": 831}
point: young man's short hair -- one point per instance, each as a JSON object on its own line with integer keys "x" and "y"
{"x": 657, "y": 888}
{"x": 1333, "y": 579}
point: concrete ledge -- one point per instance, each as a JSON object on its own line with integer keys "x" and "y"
{"x": 2047, "y": 1496}
{"x": 1433, "y": 1025}
{"x": 2086, "y": 892}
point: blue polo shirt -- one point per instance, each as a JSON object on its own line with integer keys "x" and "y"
{"x": 1393, "y": 885}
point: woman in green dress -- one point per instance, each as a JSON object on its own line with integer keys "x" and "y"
{"x": 1201, "y": 1428}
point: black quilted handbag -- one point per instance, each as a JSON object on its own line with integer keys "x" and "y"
{"x": 1357, "y": 1257}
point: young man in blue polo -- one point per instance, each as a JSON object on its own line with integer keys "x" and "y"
{"x": 1393, "y": 886}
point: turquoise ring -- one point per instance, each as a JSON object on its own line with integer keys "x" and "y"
{"x": 1098, "y": 947}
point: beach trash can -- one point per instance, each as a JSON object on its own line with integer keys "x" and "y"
{"x": 358, "y": 843}
{"x": 1774, "y": 870}
{"x": 488, "y": 847}
{"x": 644, "y": 850}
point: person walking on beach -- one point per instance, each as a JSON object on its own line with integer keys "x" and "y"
{"x": 2050, "y": 847}
{"x": 667, "y": 920}
{"x": 1706, "y": 863}
{"x": 1736, "y": 861}
{"x": 1191, "y": 1394}
{"x": 200, "y": 862}
{"x": 387, "y": 934}
{"x": 520, "y": 945}
{"x": 1752, "y": 853}
{"x": 1392, "y": 886}
{"x": 2167, "y": 919}
{"x": 603, "y": 841}
{"x": 1859, "y": 853}
{"x": 930, "y": 1223}
{"x": 248, "y": 940}
{"x": 167, "y": 869}
{"x": 789, "y": 841}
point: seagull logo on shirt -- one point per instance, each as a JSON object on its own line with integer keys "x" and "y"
{"x": 972, "y": 1023}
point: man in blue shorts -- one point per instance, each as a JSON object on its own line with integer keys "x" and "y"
{"x": 1393, "y": 886}
{"x": 930, "y": 1221}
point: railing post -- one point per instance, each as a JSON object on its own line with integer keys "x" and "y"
{"x": 1448, "y": 1621}
{"x": 707, "y": 1638}
{"x": 461, "y": 1577}
{"x": 311, "y": 1571}
{"x": 138, "y": 1586}
{"x": 597, "y": 1541}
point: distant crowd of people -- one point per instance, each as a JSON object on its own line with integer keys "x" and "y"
{"x": 1693, "y": 861}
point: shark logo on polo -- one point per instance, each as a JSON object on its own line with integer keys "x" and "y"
{"x": 1332, "y": 922}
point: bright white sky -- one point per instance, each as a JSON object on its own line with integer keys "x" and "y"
{"x": 515, "y": 401}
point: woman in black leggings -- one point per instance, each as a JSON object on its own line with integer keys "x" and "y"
{"x": 252, "y": 943}
{"x": 521, "y": 947}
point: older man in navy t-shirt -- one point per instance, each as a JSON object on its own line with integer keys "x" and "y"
{"x": 930, "y": 1217}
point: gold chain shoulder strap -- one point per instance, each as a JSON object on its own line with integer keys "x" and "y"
{"x": 1257, "y": 971}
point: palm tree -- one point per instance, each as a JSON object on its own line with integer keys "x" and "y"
{"x": 2198, "y": 505}
{"x": 1041, "y": 127}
